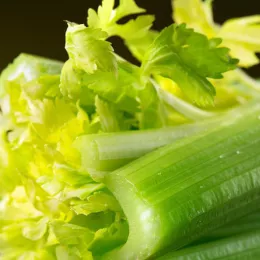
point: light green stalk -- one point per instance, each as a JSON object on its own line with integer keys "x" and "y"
{"x": 178, "y": 193}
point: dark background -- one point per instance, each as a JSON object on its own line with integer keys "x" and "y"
{"x": 38, "y": 27}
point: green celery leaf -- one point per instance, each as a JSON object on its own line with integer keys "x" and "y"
{"x": 88, "y": 49}
{"x": 107, "y": 115}
{"x": 139, "y": 46}
{"x": 72, "y": 85}
{"x": 241, "y": 35}
{"x": 153, "y": 111}
{"x": 122, "y": 91}
{"x": 189, "y": 58}
{"x": 136, "y": 32}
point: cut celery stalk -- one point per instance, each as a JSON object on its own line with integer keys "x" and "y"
{"x": 109, "y": 151}
{"x": 245, "y": 246}
{"x": 180, "y": 192}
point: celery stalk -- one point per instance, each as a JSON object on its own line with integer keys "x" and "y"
{"x": 180, "y": 192}
{"x": 106, "y": 152}
{"x": 248, "y": 223}
{"x": 245, "y": 246}
{"x": 109, "y": 151}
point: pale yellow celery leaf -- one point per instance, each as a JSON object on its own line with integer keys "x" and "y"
{"x": 88, "y": 49}
{"x": 98, "y": 202}
{"x": 82, "y": 192}
{"x": 127, "y": 7}
{"x": 241, "y": 35}
{"x": 106, "y": 16}
{"x": 103, "y": 16}
{"x": 36, "y": 230}
{"x": 196, "y": 14}
{"x": 75, "y": 127}
{"x": 136, "y": 33}
{"x": 16, "y": 206}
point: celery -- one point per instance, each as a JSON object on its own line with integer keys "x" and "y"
{"x": 180, "y": 192}
{"x": 56, "y": 205}
{"x": 108, "y": 151}
{"x": 248, "y": 223}
{"x": 245, "y": 246}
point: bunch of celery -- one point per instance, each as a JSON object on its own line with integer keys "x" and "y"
{"x": 104, "y": 159}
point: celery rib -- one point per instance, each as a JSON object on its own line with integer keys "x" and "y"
{"x": 245, "y": 246}
{"x": 179, "y": 193}
{"x": 109, "y": 151}
{"x": 188, "y": 110}
{"x": 173, "y": 184}
{"x": 246, "y": 224}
